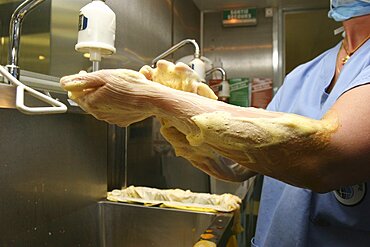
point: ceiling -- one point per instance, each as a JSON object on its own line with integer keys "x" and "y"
{"x": 205, "y": 5}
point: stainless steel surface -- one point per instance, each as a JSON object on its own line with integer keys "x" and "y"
{"x": 205, "y": 5}
{"x": 161, "y": 24}
{"x": 53, "y": 169}
{"x": 133, "y": 225}
{"x": 125, "y": 158}
{"x": 8, "y": 93}
{"x": 185, "y": 25}
{"x": 146, "y": 167}
{"x": 117, "y": 157}
{"x": 95, "y": 65}
{"x": 15, "y": 34}
{"x": 221, "y": 70}
{"x": 221, "y": 228}
{"x": 278, "y": 48}
{"x": 176, "y": 47}
{"x": 34, "y": 53}
{"x": 143, "y": 32}
{"x": 7, "y": 96}
{"x": 64, "y": 60}
{"x": 9, "y": 1}
{"x": 52, "y": 172}
{"x": 243, "y": 51}
{"x": 39, "y": 82}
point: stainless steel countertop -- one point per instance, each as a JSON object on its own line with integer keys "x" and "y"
{"x": 43, "y": 83}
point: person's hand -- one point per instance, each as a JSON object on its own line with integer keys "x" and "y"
{"x": 124, "y": 97}
{"x": 116, "y": 96}
{"x": 177, "y": 76}
{"x": 204, "y": 157}
{"x": 182, "y": 77}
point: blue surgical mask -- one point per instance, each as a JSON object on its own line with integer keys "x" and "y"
{"x": 341, "y": 10}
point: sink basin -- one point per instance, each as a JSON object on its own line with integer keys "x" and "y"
{"x": 135, "y": 225}
{"x": 109, "y": 224}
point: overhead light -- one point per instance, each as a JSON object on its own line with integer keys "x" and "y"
{"x": 87, "y": 55}
{"x": 41, "y": 57}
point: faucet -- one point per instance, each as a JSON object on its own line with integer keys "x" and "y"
{"x": 196, "y": 64}
{"x": 223, "y": 89}
{"x": 12, "y": 72}
{"x": 176, "y": 47}
{"x": 221, "y": 70}
{"x": 15, "y": 34}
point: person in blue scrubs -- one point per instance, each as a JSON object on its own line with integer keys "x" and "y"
{"x": 315, "y": 191}
{"x": 292, "y": 216}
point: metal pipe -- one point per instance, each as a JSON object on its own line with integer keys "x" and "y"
{"x": 125, "y": 158}
{"x": 176, "y": 47}
{"x": 221, "y": 70}
{"x": 15, "y": 34}
{"x": 201, "y": 32}
{"x": 95, "y": 66}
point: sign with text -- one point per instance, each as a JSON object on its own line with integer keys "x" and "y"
{"x": 239, "y": 17}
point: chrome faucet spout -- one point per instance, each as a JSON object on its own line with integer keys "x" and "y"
{"x": 221, "y": 70}
{"x": 176, "y": 47}
{"x": 15, "y": 34}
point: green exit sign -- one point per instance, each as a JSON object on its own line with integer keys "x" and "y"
{"x": 239, "y": 17}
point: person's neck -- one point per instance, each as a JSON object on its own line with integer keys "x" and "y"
{"x": 357, "y": 29}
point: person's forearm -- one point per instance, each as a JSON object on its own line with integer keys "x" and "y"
{"x": 285, "y": 146}
{"x": 204, "y": 157}
{"x": 291, "y": 148}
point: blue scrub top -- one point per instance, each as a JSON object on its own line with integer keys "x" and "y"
{"x": 291, "y": 216}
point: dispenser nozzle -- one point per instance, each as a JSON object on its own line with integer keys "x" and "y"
{"x": 95, "y": 57}
{"x": 97, "y": 31}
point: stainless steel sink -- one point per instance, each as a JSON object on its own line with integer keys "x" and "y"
{"x": 134, "y": 225}
{"x": 109, "y": 224}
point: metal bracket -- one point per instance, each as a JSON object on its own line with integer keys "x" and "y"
{"x": 56, "y": 106}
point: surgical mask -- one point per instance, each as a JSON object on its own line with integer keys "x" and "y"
{"x": 341, "y": 10}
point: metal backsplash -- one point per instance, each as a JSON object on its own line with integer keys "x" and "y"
{"x": 52, "y": 171}
{"x": 243, "y": 51}
{"x": 146, "y": 166}
{"x": 144, "y": 30}
{"x": 64, "y": 59}
{"x": 206, "y": 5}
{"x": 35, "y": 39}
